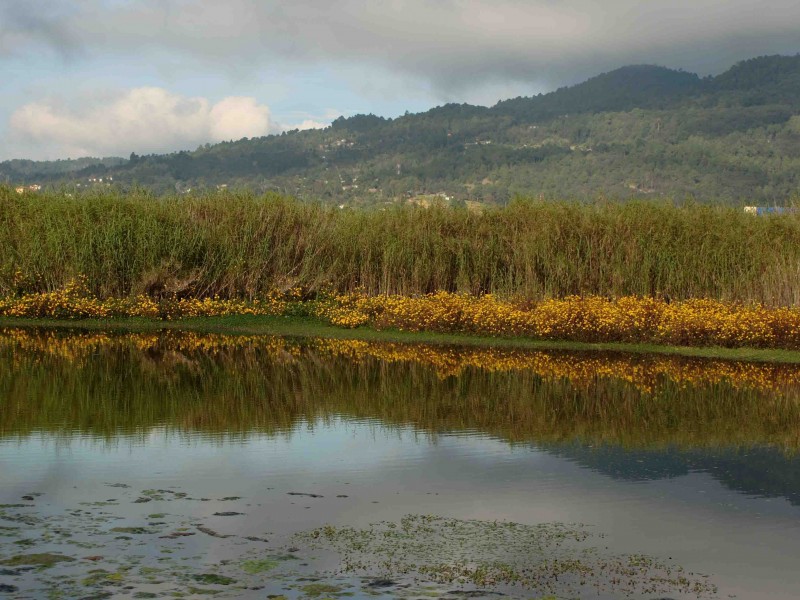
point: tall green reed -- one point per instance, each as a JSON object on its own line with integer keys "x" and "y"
{"x": 240, "y": 245}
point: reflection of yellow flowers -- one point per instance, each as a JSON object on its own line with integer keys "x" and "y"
{"x": 645, "y": 372}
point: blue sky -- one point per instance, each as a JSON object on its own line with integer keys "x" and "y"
{"x": 110, "y": 77}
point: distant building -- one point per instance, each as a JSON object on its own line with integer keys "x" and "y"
{"x": 769, "y": 210}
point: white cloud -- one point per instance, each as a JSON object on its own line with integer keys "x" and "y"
{"x": 308, "y": 124}
{"x": 142, "y": 120}
{"x": 237, "y": 117}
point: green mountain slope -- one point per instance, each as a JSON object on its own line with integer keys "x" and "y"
{"x": 637, "y": 131}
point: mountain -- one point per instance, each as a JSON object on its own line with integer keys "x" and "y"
{"x": 639, "y": 130}
{"x": 636, "y": 86}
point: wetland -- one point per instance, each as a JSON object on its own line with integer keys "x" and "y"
{"x": 175, "y": 464}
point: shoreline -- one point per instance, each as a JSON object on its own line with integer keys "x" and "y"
{"x": 290, "y": 326}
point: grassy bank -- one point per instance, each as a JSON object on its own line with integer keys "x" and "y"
{"x": 242, "y": 247}
{"x": 592, "y": 319}
{"x": 310, "y": 327}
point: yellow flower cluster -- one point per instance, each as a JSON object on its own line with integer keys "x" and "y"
{"x": 694, "y": 322}
{"x": 584, "y": 319}
{"x": 647, "y": 373}
{"x": 75, "y": 301}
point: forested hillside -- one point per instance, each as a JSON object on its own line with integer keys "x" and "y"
{"x": 637, "y": 131}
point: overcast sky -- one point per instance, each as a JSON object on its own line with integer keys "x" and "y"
{"x": 108, "y": 77}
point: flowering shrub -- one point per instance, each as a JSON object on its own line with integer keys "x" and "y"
{"x": 75, "y": 301}
{"x": 694, "y": 322}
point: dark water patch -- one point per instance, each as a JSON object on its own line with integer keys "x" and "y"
{"x": 757, "y": 471}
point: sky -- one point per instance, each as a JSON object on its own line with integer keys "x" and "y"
{"x": 111, "y": 77}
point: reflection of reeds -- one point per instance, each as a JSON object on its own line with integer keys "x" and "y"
{"x": 105, "y": 385}
{"x": 647, "y": 373}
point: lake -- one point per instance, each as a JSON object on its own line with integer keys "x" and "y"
{"x": 185, "y": 465}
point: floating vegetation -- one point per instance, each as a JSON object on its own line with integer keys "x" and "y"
{"x": 314, "y": 590}
{"x": 417, "y": 557}
{"x": 259, "y": 566}
{"x": 142, "y": 560}
{"x": 547, "y": 558}
{"x": 135, "y": 530}
{"x": 43, "y": 560}
{"x": 213, "y": 578}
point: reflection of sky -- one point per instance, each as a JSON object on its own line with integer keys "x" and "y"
{"x": 747, "y": 543}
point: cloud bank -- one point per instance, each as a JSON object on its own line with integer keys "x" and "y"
{"x": 144, "y": 120}
{"x": 451, "y": 45}
{"x": 445, "y": 50}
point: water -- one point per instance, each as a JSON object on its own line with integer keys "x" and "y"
{"x": 652, "y": 477}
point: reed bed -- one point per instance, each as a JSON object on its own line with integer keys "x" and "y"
{"x": 240, "y": 246}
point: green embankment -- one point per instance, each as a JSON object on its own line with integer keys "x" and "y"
{"x": 239, "y": 245}
{"x": 310, "y": 327}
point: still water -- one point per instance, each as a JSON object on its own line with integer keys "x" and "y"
{"x": 178, "y": 465}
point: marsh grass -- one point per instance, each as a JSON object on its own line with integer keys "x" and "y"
{"x": 237, "y": 245}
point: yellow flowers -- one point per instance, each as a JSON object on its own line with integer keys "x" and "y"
{"x": 694, "y": 322}
{"x": 75, "y": 301}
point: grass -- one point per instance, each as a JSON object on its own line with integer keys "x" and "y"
{"x": 308, "y": 327}
{"x": 237, "y": 245}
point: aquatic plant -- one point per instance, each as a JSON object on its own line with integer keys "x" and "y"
{"x": 544, "y": 558}
{"x": 236, "y": 245}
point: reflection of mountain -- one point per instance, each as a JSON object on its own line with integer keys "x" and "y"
{"x": 760, "y": 471}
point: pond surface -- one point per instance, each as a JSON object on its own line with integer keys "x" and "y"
{"x": 179, "y": 465}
